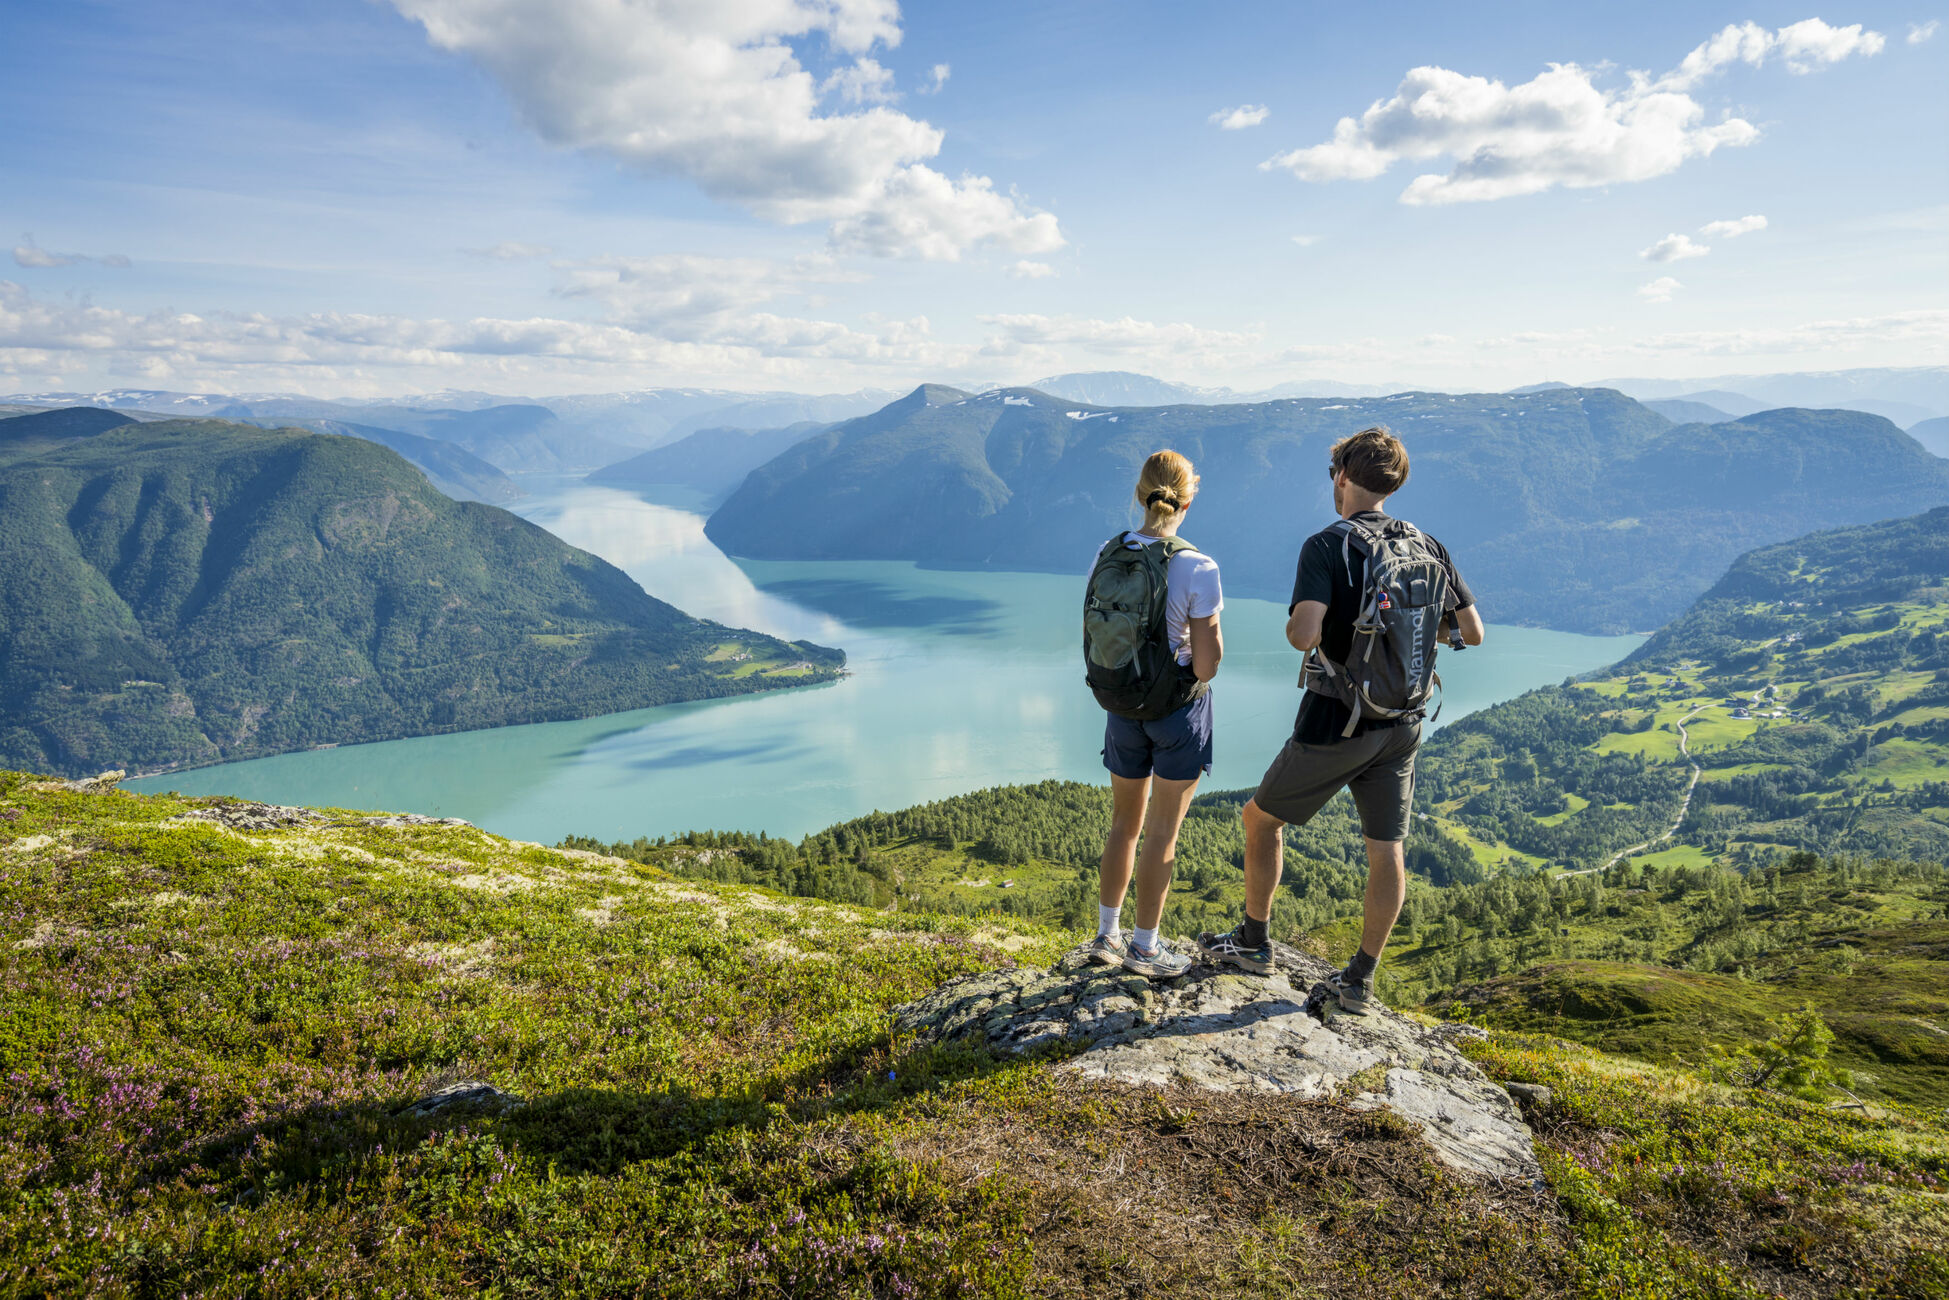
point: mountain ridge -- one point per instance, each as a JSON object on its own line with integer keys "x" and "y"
{"x": 1645, "y": 512}
{"x": 183, "y": 592}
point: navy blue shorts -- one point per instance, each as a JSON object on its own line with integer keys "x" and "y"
{"x": 1176, "y": 747}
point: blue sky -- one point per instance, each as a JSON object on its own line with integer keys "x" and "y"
{"x": 537, "y": 196}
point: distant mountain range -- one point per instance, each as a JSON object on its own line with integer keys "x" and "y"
{"x": 1570, "y": 508}
{"x": 1933, "y": 434}
{"x": 711, "y": 462}
{"x": 1904, "y": 396}
{"x": 183, "y": 591}
{"x": 1682, "y": 411}
{"x": 516, "y": 435}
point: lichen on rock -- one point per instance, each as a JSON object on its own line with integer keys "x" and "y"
{"x": 1222, "y": 1030}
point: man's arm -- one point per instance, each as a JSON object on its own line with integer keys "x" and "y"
{"x": 1304, "y": 624}
{"x": 1207, "y": 646}
{"x": 1468, "y": 621}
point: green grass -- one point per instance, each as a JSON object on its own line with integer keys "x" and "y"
{"x": 210, "y": 1036}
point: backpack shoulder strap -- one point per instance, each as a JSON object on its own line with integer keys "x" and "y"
{"x": 1353, "y": 536}
{"x": 1172, "y": 545}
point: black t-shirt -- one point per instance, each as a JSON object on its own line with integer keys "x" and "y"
{"x": 1324, "y": 576}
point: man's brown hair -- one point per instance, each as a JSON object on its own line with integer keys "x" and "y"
{"x": 1373, "y": 459}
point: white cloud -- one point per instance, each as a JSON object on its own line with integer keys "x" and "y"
{"x": 682, "y": 296}
{"x": 1027, "y": 270}
{"x": 715, "y": 93}
{"x": 1560, "y": 127}
{"x": 513, "y": 251}
{"x": 1659, "y": 290}
{"x": 921, "y": 213}
{"x": 31, "y": 255}
{"x": 1237, "y": 119}
{"x": 936, "y": 78}
{"x": 862, "y": 82}
{"x": 1039, "y": 342}
{"x": 344, "y": 352}
{"x": 1733, "y": 228}
{"x": 1674, "y": 248}
{"x": 1306, "y": 241}
{"x": 1919, "y": 32}
{"x": 1801, "y": 45}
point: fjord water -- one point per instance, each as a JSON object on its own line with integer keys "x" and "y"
{"x": 959, "y": 680}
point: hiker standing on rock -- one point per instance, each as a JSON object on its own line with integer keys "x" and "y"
{"x": 1151, "y": 646}
{"x": 1369, "y": 605}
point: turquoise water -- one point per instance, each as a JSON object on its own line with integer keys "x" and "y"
{"x": 959, "y": 681}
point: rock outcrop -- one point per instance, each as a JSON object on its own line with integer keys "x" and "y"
{"x": 1220, "y": 1029}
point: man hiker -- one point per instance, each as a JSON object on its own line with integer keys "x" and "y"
{"x": 1372, "y": 598}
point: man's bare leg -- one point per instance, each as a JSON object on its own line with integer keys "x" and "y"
{"x": 1169, "y": 800}
{"x": 1387, "y": 885}
{"x": 1264, "y": 859}
{"x": 1128, "y": 796}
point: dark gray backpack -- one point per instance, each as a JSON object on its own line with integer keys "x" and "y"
{"x": 1127, "y": 657}
{"x": 1390, "y": 670}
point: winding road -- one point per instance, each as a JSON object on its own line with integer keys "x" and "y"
{"x": 1685, "y": 805}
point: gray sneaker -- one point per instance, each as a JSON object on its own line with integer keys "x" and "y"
{"x": 1106, "y": 951}
{"x": 1159, "y": 963}
{"x": 1355, "y": 997}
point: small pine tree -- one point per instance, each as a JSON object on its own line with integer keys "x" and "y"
{"x": 1793, "y": 1061}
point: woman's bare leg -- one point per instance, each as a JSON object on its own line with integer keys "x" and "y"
{"x": 1129, "y": 795}
{"x": 1168, "y": 803}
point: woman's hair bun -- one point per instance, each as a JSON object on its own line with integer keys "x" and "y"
{"x": 1166, "y": 481}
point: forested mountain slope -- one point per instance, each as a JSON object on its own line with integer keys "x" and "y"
{"x": 1812, "y": 687}
{"x": 447, "y": 465}
{"x": 185, "y": 591}
{"x": 1572, "y": 508}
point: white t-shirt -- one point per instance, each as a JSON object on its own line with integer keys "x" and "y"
{"x": 1191, "y": 590}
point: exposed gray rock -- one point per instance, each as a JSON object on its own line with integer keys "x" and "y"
{"x": 1530, "y": 1096}
{"x": 240, "y": 815}
{"x": 1220, "y": 1029}
{"x": 408, "y": 819}
{"x": 470, "y": 1094}
{"x": 86, "y": 785}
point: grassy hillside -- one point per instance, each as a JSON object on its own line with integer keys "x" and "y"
{"x": 186, "y": 591}
{"x": 1659, "y": 960}
{"x": 1810, "y": 686}
{"x": 219, "y": 1018}
{"x": 1572, "y": 508}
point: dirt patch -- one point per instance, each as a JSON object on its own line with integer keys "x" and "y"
{"x": 1184, "y": 1192}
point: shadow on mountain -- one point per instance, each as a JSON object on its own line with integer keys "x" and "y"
{"x": 877, "y": 605}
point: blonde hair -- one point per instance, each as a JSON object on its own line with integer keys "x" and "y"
{"x": 1165, "y": 486}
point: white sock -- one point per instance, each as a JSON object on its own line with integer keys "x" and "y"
{"x": 1145, "y": 939}
{"x": 1106, "y": 921}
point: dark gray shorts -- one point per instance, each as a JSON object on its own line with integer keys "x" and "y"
{"x": 1378, "y": 766}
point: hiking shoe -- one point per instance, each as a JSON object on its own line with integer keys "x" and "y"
{"x": 1106, "y": 950}
{"x": 1356, "y": 997}
{"x": 1159, "y": 963}
{"x": 1226, "y": 949}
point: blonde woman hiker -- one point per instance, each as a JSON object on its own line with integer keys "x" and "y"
{"x": 1151, "y": 646}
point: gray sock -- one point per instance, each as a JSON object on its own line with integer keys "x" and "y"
{"x": 1251, "y": 933}
{"x": 1361, "y": 968}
